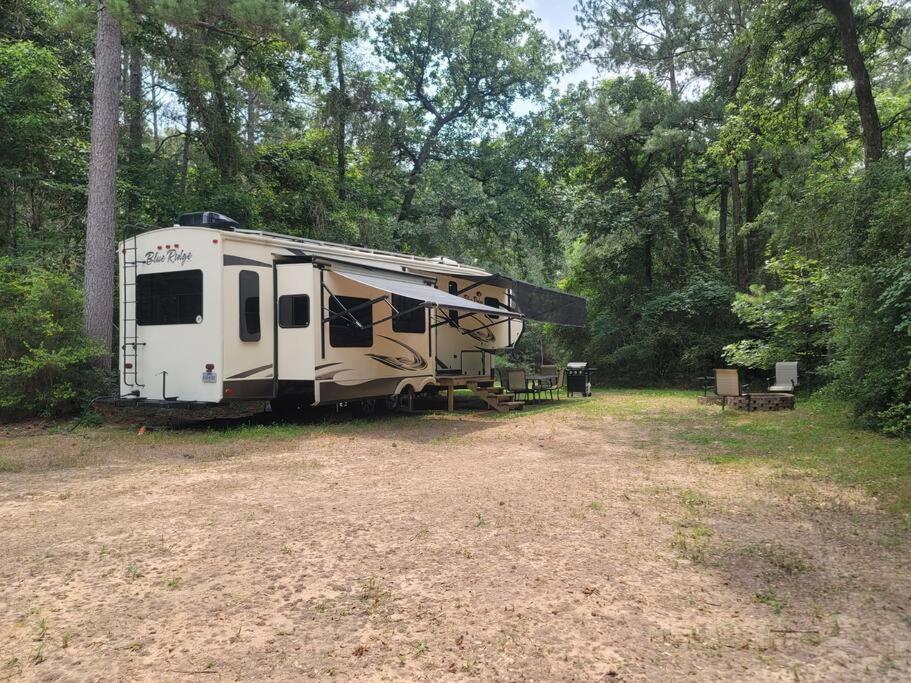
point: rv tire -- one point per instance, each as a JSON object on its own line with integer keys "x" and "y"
{"x": 406, "y": 399}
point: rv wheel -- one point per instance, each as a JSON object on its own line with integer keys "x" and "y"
{"x": 406, "y": 399}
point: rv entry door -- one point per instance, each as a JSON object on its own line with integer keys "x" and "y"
{"x": 297, "y": 320}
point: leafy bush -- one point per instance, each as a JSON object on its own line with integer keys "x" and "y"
{"x": 790, "y": 322}
{"x": 859, "y": 314}
{"x": 640, "y": 337}
{"x": 46, "y": 364}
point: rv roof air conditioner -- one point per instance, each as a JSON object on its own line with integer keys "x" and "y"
{"x": 208, "y": 219}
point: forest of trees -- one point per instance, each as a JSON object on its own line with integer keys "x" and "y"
{"x": 734, "y": 187}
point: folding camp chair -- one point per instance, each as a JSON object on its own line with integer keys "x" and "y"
{"x": 517, "y": 382}
{"x": 561, "y": 382}
{"x": 727, "y": 383}
{"x": 548, "y": 385}
{"x": 785, "y": 377}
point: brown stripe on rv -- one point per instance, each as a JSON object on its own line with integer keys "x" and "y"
{"x": 247, "y": 373}
{"x": 332, "y": 391}
{"x": 230, "y": 260}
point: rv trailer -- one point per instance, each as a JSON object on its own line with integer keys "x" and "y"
{"x": 211, "y": 313}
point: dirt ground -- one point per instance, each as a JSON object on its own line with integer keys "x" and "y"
{"x": 560, "y": 545}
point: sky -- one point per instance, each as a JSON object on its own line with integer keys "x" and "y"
{"x": 556, "y": 16}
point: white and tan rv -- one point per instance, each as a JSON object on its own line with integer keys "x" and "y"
{"x": 210, "y": 313}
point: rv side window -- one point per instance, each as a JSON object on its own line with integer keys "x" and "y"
{"x": 173, "y": 298}
{"x": 453, "y": 313}
{"x": 342, "y": 330}
{"x": 414, "y": 321}
{"x": 249, "y": 306}
{"x": 493, "y": 302}
{"x": 294, "y": 310}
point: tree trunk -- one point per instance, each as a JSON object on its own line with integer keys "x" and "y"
{"x": 737, "y": 215}
{"x": 672, "y": 77}
{"x": 185, "y": 154}
{"x": 415, "y": 175}
{"x": 35, "y": 219}
{"x": 648, "y": 247}
{"x": 342, "y": 115}
{"x": 11, "y": 192}
{"x": 863, "y": 89}
{"x": 723, "y": 230}
{"x": 153, "y": 97}
{"x": 135, "y": 100}
{"x": 134, "y": 118}
{"x": 251, "y": 120}
{"x": 101, "y": 213}
{"x": 749, "y": 202}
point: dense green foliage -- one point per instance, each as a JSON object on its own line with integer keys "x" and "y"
{"x": 45, "y": 362}
{"x": 739, "y": 194}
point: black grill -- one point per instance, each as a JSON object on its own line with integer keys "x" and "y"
{"x": 579, "y": 378}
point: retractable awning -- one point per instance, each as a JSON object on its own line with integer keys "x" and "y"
{"x": 406, "y": 285}
{"x": 541, "y": 303}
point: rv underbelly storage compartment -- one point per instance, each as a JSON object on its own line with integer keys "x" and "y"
{"x": 579, "y": 379}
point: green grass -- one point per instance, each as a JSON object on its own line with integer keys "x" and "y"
{"x": 817, "y": 437}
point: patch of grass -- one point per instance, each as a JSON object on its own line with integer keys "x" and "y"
{"x": 481, "y": 520}
{"x": 692, "y": 500}
{"x": 818, "y": 437}
{"x": 7, "y": 466}
{"x": 786, "y": 560}
{"x": 42, "y": 629}
{"x": 691, "y": 541}
{"x": 420, "y": 648}
{"x": 173, "y": 583}
{"x": 372, "y": 593}
{"x": 134, "y": 572}
{"x": 596, "y": 505}
{"x": 768, "y": 598}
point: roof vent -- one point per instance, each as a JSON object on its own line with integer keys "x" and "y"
{"x": 208, "y": 219}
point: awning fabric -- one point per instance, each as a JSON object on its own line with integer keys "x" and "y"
{"x": 549, "y": 305}
{"x": 396, "y": 284}
{"x": 542, "y": 303}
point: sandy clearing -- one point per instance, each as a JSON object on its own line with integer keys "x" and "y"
{"x": 552, "y": 546}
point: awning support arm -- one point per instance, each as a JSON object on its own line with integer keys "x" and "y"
{"x": 399, "y": 314}
{"x": 348, "y": 312}
{"x": 478, "y": 283}
{"x": 449, "y": 319}
{"x": 484, "y": 327}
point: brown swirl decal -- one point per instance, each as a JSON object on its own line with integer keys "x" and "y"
{"x": 415, "y": 362}
{"x": 481, "y": 335}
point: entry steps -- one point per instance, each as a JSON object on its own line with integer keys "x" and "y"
{"x": 496, "y": 397}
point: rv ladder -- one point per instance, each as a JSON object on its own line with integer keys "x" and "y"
{"x": 130, "y": 332}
